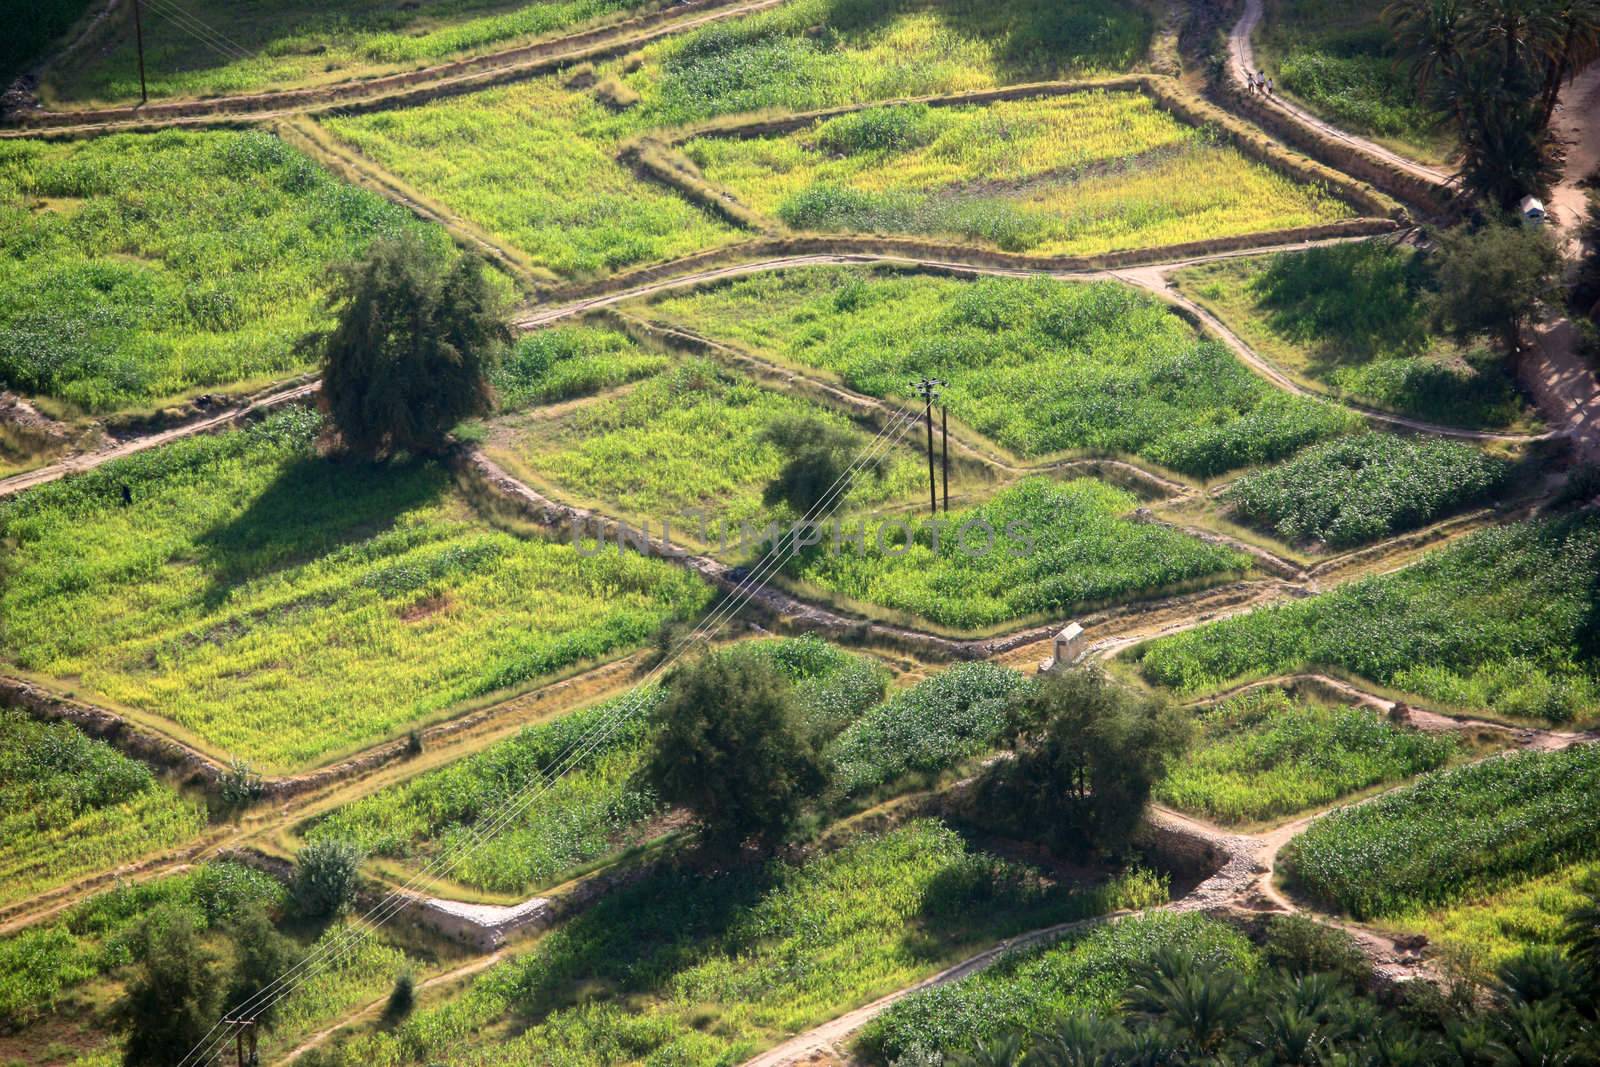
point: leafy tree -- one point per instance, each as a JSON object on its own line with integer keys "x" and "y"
{"x": 261, "y": 957}
{"x": 174, "y": 997}
{"x": 819, "y": 454}
{"x": 412, "y": 351}
{"x": 402, "y": 998}
{"x": 1495, "y": 280}
{"x": 1088, "y": 754}
{"x": 732, "y": 748}
{"x": 325, "y": 877}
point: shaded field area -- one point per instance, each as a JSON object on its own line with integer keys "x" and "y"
{"x": 1065, "y": 175}
{"x": 137, "y": 269}
{"x": 693, "y": 968}
{"x": 580, "y": 212}
{"x": 285, "y": 608}
{"x": 71, "y": 806}
{"x": 1039, "y": 367}
{"x": 1503, "y": 620}
{"x": 1353, "y": 319}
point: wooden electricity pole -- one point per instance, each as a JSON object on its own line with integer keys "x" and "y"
{"x": 928, "y": 389}
{"x": 944, "y": 444}
{"x": 138, "y": 36}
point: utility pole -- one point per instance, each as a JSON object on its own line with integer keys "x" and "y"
{"x": 944, "y": 444}
{"x": 240, "y": 1028}
{"x": 138, "y": 36}
{"x": 928, "y": 389}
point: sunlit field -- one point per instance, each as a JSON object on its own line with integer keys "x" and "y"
{"x": 1062, "y": 175}
{"x": 1039, "y": 367}
{"x": 283, "y": 608}
{"x": 138, "y": 268}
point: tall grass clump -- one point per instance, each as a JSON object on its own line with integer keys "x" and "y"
{"x": 1454, "y": 834}
{"x": 1366, "y": 487}
{"x": 1504, "y": 620}
{"x": 1264, "y": 754}
{"x": 563, "y": 362}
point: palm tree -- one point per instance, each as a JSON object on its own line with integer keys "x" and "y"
{"x": 1202, "y": 1008}
{"x": 1002, "y": 1051}
{"x": 1517, "y": 29}
{"x": 1575, "y": 44}
{"x": 1581, "y": 933}
{"x": 1079, "y": 1041}
{"x": 1429, "y": 32}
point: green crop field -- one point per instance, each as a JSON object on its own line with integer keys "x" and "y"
{"x": 691, "y": 439}
{"x": 1365, "y": 487}
{"x": 564, "y": 362}
{"x": 284, "y": 608}
{"x": 1088, "y": 971}
{"x": 1057, "y": 176}
{"x": 1502, "y": 621}
{"x": 598, "y": 807}
{"x": 1353, "y": 319}
{"x": 1454, "y": 835}
{"x": 1055, "y": 547}
{"x": 1264, "y": 755}
{"x": 581, "y": 212}
{"x": 299, "y": 42}
{"x": 1339, "y": 58}
{"x": 1040, "y": 367}
{"x": 136, "y": 269}
{"x": 70, "y": 806}
{"x": 1488, "y": 930}
{"x": 680, "y": 968}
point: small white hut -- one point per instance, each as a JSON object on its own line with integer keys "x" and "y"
{"x": 1532, "y": 210}
{"x": 1070, "y": 646}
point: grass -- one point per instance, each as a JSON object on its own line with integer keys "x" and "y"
{"x": 1265, "y": 755}
{"x": 1497, "y": 926}
{"x": 1038, "y": 548}
{"x": 297, "y": 43}
{"x": 686, "y": 446}
{"x": 1034, "y": 988}
{"x": 1502, "y": 621}
{"x": 72, "y": 806}
{"x": 136, "y": 269}
{"x": 1340, "y": 59}
{"x": 286, "y": 608}
{"x": 565, "y": 362}
{"x": 1040, "y": 367}
{"x": 1453, "y": 836}
{"x": 1057, "y": 176}
{"x": 1366, "y": 487}
{"x": 580, "y": 212}
{"x": 1353, "y": 319}
{"x": 683, "y": 968}
{"x": 599, "y": 807}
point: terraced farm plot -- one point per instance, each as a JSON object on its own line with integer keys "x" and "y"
{"x": 139, "y": 268}
{"x": 1502, "y": 621}
{"x": 564, "y": 362}
{"x": 1491, "y": 929}
{"x": 1453, "y": 836}
{"x": 1056, "y": 176}
{"x": 1265, "y": 755}
{"x": 1339, "y": 58}
{"x": 597, "y": 808}
{"x": 1040, "y": 367}
{"x": 1352, "y": 319}
{"x": 692, "y": 439}
{"x": 299, "y": 43}
{"x": 535, "y": 163}
{"x": 71, "y": 806}
{"x": 679, "y": 968}
{"x": 61, "y": 980}
{"x": 286, "y": 608}
{"x": 1055, "y": 548}
{"x": 1365, "y": 487}
{"x": 1087, "y": 971}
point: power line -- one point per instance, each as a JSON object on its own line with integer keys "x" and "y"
{"x": 324, "y": 956}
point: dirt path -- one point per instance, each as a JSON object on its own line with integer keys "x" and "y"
{"x": 89, "y": 461}
{"x": 1576, "y": 125}
{"x": 1242, "y": 60}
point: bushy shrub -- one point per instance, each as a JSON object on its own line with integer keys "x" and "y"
{"x": 326, "y": 877}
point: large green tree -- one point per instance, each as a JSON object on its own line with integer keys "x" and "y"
{"x": 1088, "y": 753}
{"x": 261, "y": 956}
{"x": 411, "y": 355}
{"x": 1495, "y": 280}
{"x": 732, "y": 748}
{"x": 175, "y": 995}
